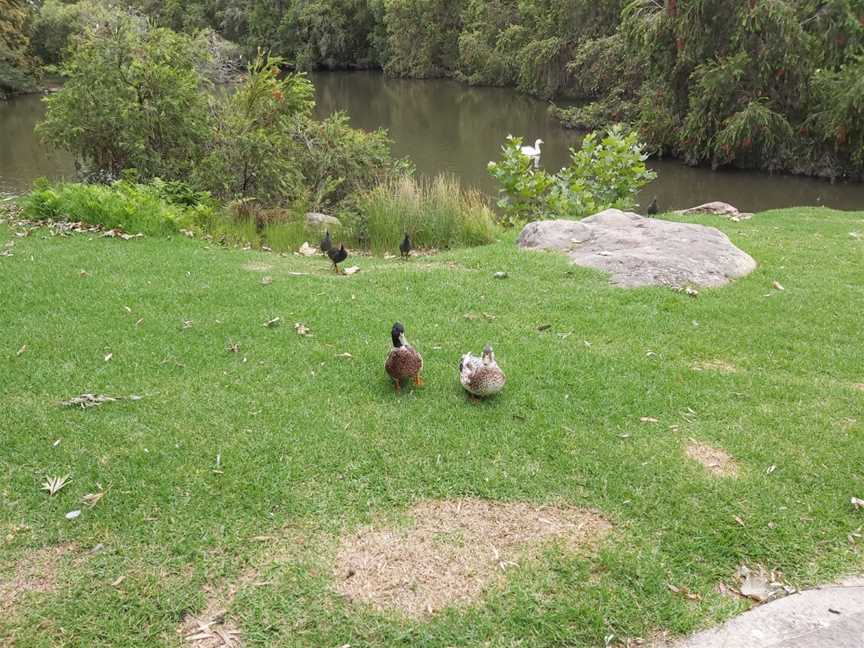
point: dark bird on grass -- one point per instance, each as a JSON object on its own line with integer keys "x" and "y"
{"x": 326, "y": 242}
{"x": 405, "y": 247}
{"x": 337, "y": 256}
{"x": 404, "y": 361}
{"x": 653, "y": 209}
{"x": 481, "y": 376}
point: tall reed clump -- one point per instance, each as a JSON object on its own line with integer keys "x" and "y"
{"x": 436, "y": 213}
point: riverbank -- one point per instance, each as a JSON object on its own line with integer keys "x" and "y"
{"x": 241, "y": 460}
{"x": 445, "y": 126}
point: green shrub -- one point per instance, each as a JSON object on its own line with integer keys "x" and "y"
{"x": 603, "y": 173}
{"x": 337, "y": 161}
{"x": 251, "y": 150}
{"x": 523, "y": 189}
{"x": 133, "y": 99}
{"x": 125, "y": 205}
{"x": 436, "y": 213}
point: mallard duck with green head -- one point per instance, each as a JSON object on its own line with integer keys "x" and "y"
{"x": 481, "y": 376}
{"x": 404, "y": 361}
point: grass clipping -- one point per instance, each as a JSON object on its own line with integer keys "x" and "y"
{"x": 453, "y": 551}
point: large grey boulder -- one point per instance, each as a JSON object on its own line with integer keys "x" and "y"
{"x": 640, "y": 251}
{"x": 317, "y": 219}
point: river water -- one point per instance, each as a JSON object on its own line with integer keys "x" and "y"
{"x": 444, "y": 126}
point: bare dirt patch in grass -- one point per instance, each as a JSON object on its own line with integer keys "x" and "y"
{"x": 720, "y": 366}
{"x": 211, "y": 628}
{"x": 858, "y": 386}
{"x": 716, "y": 461}
{"x": 36, "y": 571}
{"x": 453, "y": 551}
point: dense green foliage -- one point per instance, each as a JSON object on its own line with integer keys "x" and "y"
{"x": 604, "y": 173}
{"x": 437, "y": 214}
{"x": 158, "y": 208}
{"x": 133, "y": 99}
{"x": 138, "y": 102}
{"x": 15, "y": 62}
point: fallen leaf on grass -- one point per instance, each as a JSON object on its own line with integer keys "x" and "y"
{"x": 648, "y": 419}
{"x": 500, "y": 275}
{"x": 771, "y": 469}
{"x": 117, "y": 581}
{"x": 344, "y": 355}
{"x": 139, "y": 322}
{"x": 350, "y": 271}
{"x": 302, "y": 329}
{"x": 21, "y": 350}
{"x": 266, "y": 281}
{"x": 233, "y": 347}
{"x": 88, "y": 400}
{"x": 55, "y": 484}
{"x": 740, "y": 521}
{"x": 187, "y": 324}
{"x": 776, "y": 285}
{"x": 71, "y": 515}
{"x": 92, "y": 499}
{"x": 56, "y": 443}
{"x": 273, "y": 323}
{"x": 118, "y": 233}
{"x": 857, "y": 504}
{"x": 127, "y": 309}
{"x": 761, "y": 585}
{"x": 307, "y": 250}
{"x": 686, "y": 593}
{"x": 108, "y": 356}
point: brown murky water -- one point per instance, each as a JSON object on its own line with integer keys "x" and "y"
{"x": 446, "y": 126}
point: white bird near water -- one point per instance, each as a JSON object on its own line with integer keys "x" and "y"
{"x": 533, "y": 152}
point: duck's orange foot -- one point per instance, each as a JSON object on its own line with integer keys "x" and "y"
{"x": 418, "y": 381}
{"x": 397, "y": 386}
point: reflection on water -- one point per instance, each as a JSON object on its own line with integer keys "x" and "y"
{"x": 23, "y": 158}
{"x": 445, "y": 126}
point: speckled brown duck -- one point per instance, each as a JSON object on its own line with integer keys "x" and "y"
{"x": 404, "y": 361}
{"x": 481, "y": 376}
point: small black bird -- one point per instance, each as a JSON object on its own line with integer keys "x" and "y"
{"x": 653, "y": 209}
{"x": 337, "y": 256}
{"x": 326, "y": 243}
{"x": 405, "y": 247}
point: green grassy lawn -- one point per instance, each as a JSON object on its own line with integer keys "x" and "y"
{"x": 312, "y": 445}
